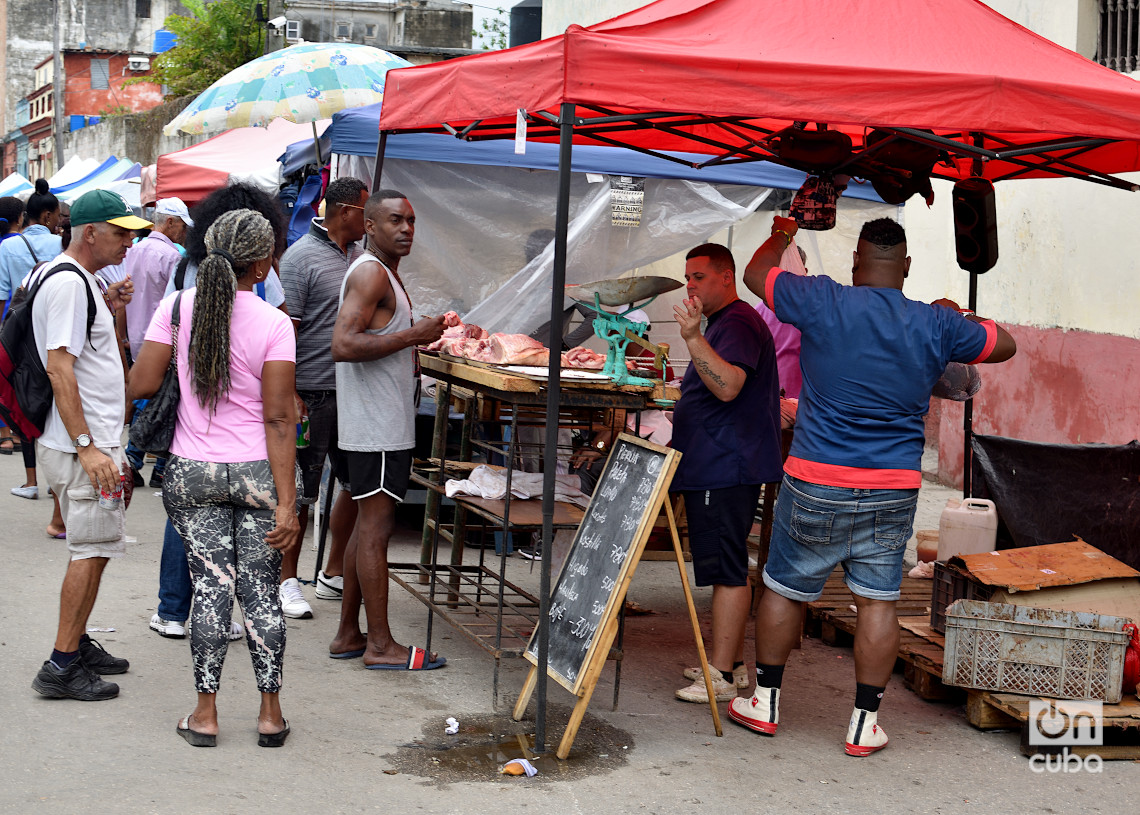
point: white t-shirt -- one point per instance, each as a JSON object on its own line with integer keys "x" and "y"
{"x": 59, "y": 320}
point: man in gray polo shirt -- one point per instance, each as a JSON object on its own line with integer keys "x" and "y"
{"x": 312, "y": 270}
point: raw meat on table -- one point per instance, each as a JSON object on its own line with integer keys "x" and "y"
{"x": 517, "y": 349}
{"x": 455, "y": 334}
{"x": 583, "y": 358}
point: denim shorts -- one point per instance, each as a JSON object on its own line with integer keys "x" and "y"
{"x": 815, "y": 528}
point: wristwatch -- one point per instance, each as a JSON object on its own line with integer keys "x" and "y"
{"x": 601, "y": 445}
{"x": 82, "y": 440}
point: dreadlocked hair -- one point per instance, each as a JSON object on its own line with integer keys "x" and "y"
{"x": 233, "y": 242}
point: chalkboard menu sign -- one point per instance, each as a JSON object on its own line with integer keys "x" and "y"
{"x": 603, "y": 556}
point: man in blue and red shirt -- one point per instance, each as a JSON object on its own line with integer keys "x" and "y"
{"x": 870, "y": 358}
{"x": 727, "y": 426}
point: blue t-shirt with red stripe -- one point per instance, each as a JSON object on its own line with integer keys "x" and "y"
{"x": 870, "y": 358}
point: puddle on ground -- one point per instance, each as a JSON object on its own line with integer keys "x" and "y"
{"x": 485, "y": 743}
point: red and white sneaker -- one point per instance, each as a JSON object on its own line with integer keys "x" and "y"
{"x": 864, "y": 736}
{"x": 760, "y": 713}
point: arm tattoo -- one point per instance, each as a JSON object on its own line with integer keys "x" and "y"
{"x": 703, "y": 368}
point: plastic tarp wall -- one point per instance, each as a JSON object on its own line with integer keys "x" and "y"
{"x": 473, "y": 224}
{"x": 1048, "y": 493}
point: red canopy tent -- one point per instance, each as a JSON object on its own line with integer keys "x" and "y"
{"x": 728, "y": 77}
{"x": 723, "y": 75}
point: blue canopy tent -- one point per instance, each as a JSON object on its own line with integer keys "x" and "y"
{"x": 479, "y": 202}
{"x": 110, "y": 162}
{"x": 121, "y": 170}
{"x": 356, "y": 132}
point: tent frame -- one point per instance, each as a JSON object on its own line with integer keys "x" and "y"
{"x": 568, "y": 125}
{"x": 1055, "y": 156}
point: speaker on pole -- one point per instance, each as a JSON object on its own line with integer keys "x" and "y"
{"x": 975, "y": 225}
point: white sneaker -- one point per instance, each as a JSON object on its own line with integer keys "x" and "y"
{"x": 760, "y": 713}
{"x": 696, "y": 692}
{"x": 739, "y": 675}
{"x": 293, "y": 603}
{"x": 237, "y": 631}
{"x": 329, "y": 588}
{"x": 864, "y": 736}
{"x": 32, "y": 492}
{"x": 168, "y": 628}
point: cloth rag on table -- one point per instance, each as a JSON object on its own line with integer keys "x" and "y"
{"x": 491, "y": 483}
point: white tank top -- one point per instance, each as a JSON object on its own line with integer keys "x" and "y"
{"x": 375, "y": 400}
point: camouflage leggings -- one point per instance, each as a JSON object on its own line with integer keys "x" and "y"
{"x": 223, "y": 512}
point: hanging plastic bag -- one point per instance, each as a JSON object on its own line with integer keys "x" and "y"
{"x": 958, "y": 382}
{"x": 814, "y": 204}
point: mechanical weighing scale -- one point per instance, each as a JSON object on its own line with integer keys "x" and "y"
{"x": 617, "y": 330}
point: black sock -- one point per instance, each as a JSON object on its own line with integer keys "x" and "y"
{"x": 727, "y": 676}
{"x": 769, "y": 676}
{"x": 868, "y": 697}
{"x": 736, "y": 665}
{"x": 61, "y": 659}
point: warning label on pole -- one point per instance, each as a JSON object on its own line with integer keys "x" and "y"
{"x": 627, "y": 197}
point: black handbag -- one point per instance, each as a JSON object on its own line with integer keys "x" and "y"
{"x": 152, "y": 429}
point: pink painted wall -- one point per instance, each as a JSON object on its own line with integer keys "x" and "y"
{"x": 1062, "y": 387}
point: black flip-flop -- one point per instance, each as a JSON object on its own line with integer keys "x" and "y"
{"x": 7, "y": 451}
{"x": 353, "y": 654}
{"x": 193, "y": 737}
{"x": 274, "y": 739}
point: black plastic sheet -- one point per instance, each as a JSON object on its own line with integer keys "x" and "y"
{"x": 1051, "y": 493}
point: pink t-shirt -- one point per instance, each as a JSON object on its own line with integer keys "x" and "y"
{"x": 259, "y": 333}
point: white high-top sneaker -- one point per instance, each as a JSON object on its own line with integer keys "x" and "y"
{"x": 864, "y": 736}
{"x": 760, "y": 713}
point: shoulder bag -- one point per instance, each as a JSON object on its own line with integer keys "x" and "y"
{"x": 152, "y": 429}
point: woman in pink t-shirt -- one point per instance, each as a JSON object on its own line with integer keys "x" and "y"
{"x": 229, "y": 487}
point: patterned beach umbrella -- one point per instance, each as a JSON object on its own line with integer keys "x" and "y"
{"x": 302, "y": 83}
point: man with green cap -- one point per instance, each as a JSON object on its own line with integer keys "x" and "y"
{"x": 80, "y": 450}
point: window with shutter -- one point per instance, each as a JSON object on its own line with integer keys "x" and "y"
{"x": 100, "y": 74}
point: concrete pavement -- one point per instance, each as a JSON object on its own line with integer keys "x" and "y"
{"x": 373, "y": 742}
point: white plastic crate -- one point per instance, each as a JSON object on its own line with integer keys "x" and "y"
{"x": 1035, "y": 651}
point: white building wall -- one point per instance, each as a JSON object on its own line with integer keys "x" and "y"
{"x": 558, "y": 15}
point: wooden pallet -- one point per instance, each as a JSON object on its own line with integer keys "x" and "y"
{"x": 832, "y": 619}
{"x": 988, "y": 710}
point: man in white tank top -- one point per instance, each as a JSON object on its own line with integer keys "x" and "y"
{"x": 373, "y": 344}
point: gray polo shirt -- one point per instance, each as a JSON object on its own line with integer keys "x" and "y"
{"x": 312, "y": 270}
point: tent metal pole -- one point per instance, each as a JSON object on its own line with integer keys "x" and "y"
{"x": 553, "y": 393}
{"x": 968, "y": 408}
{"x": 381, "y": 146}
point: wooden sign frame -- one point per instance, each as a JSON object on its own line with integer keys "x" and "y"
{"x": 584, "y": 683}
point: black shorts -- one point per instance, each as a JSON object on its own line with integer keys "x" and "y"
{"x": 385, "y": 471}
{"x": 719, "y": 522}
{"x": 322, "y": 443}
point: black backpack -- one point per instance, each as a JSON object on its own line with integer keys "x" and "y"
{"x": 25, "y": 390}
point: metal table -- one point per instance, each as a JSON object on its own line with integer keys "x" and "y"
{"x": 476, "y": 598}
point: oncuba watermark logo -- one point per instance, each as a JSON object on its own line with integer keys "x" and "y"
{"x": 1065, "y": 724}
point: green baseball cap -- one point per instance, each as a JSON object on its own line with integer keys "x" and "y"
{"x": 97, "y": 206}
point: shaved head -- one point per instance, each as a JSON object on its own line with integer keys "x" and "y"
{"x": 880, "y": 259}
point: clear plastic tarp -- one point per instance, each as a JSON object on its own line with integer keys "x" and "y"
{"x": 484, "y": 235}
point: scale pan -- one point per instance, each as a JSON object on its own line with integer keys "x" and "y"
{"x": 623, "y": 290}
